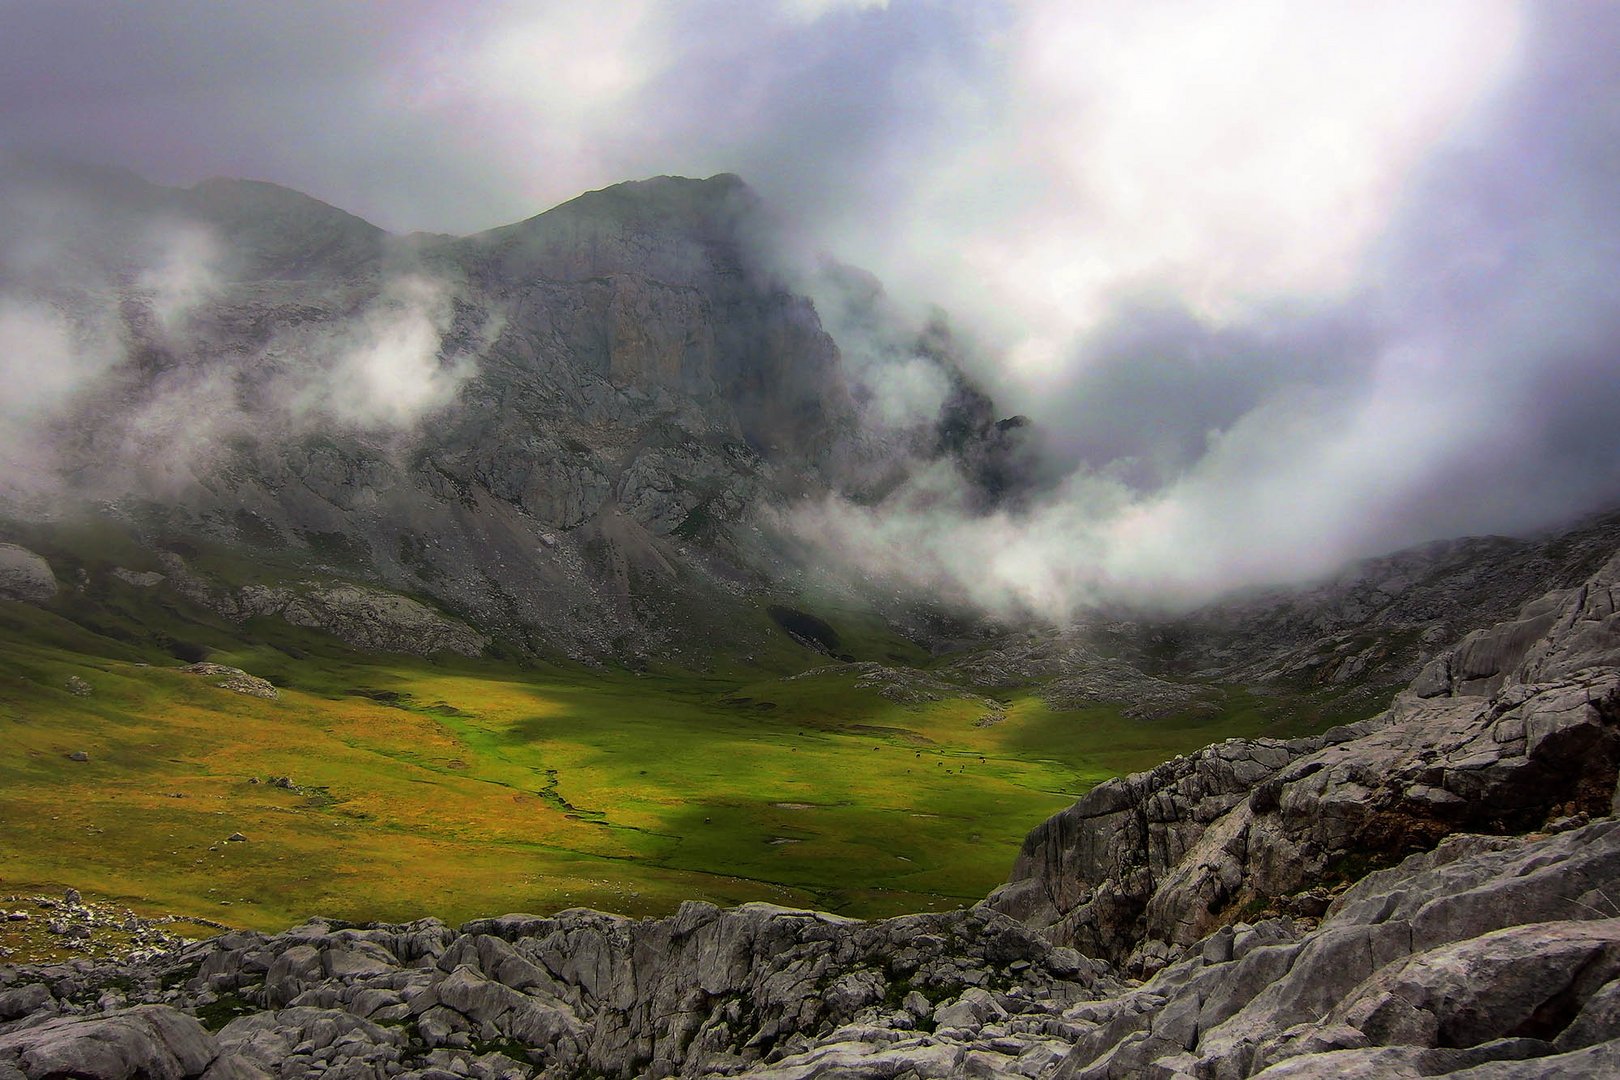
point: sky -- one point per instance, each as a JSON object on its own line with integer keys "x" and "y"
{"x": 1280, "y": 283}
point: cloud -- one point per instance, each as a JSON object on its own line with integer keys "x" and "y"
{"x": 811, "y": 10}
{"x": 46, "y": 362}
{"x": 1455, "y": 383}
{"x": 182, "y": 272}
{"x": 1280, "y": 283}
{"x": 383, "y": 368}
{"x": 116, "y": 380}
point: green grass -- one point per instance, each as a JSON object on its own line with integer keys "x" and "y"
{"x": 471, "y": 787}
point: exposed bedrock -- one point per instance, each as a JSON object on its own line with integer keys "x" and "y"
{"x": 1145, "y": 865}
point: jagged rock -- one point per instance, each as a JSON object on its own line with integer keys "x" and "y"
{"x": 586, "y": 991}
{"x": 1143, "y": 866}
{"x": 1463, "y": 921}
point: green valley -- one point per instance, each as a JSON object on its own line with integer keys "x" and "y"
{"x": 379, "y": 787}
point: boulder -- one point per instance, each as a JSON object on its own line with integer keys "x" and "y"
{"x": 150, "y": 1042}
{"x": 25, "y": 576}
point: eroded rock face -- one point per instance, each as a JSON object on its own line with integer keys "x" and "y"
{"x": 1485, "y": 949}
{"x": 587, "y": 993}
{"x": 1143, "y": 866}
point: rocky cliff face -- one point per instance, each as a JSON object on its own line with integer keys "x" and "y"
{"x": 1143, "y": 866}
{"x": 1429, "y": 892}
{"x": 560, "y": 431}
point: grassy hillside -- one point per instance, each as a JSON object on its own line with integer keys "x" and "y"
{"x": 463, "y": 787}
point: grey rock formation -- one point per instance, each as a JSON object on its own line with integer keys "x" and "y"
{"x": 1143, "y": 866}
{"x": 1487, "y": 948}
{"x": 233, "y": 679}
{"x": 584, "y": 992}
{"x": 367, "y": 618}
{"x": 149, "y": 1041}
{"x": 25, "y": 575}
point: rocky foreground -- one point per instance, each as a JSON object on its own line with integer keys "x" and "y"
{"x": 1221, "y": 916}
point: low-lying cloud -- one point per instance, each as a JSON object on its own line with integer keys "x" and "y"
{"x": 1458, "y": 384}
{"x": 1280, "y": 284}
{"x": 118, "y": 383}
{"x": 382, "y": 369}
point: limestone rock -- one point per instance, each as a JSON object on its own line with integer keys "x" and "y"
{"x": 25, "y": 575}
{"x": 1143, "y": 866}
{"x": 234, "y": 679}
{"x": 148, "y": 1041}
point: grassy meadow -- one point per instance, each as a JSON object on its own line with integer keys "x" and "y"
{"x": 459, "y": 787}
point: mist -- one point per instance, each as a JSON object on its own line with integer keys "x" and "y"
{"x": 1452, "y": 383}
{"x": 1279, "y": 285}
{"x": 119, "y": 384}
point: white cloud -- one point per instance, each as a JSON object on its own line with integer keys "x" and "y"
{"x": 1228, "y": 151}
{"x": 385, "y": 368}
{"x": 182, "y": 271}
{"x": 811, "y": 10}
{"x": 544, "y": 96}
{"x": 43, "y": 362}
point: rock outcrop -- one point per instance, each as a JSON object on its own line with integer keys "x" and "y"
{"x": 583, "y": 993}
{"x": 371, "y": 619}
{"x": 1146, "y": 865}
{"x": 25, "y": 575}
{"x": 1486, "y": 949}
{"x": 234, "y": 679}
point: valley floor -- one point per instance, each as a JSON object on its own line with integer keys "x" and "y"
{"x": 385, "y": 789}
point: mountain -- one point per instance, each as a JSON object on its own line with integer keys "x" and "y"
{"x": 561, "y": 432}
{"x": 570, "y": 437}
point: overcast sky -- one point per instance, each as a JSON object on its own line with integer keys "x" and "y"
{"x": 1282, "y": 281}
